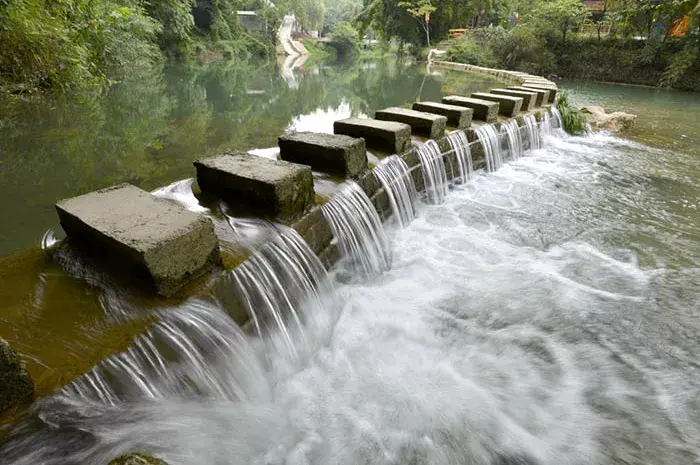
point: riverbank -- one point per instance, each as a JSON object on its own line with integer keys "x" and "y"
{"x": 651, "y": 62}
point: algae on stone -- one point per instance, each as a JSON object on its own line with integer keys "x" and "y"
{"x": 137, "y": 459}
{"x": 16, "y": 386}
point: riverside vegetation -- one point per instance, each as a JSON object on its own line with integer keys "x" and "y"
{"x": 559, "y": 37}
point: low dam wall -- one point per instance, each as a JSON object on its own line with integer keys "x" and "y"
{"x": 167, "y": 247}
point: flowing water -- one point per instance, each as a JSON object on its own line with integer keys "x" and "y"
{"x": 393, "y": 173}
{"x": 532, "y": 130}
{"x": 546, "y": 313}
{"x": 358, "y": 230}
{"x": 491, "y": 144}
{"x": 514, "y": 139}
{"x": 434, "y": 174}
{"x": 459, "y": 145}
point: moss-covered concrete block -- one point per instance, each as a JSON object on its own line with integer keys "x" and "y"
{"x": 258, "y": 185}
{"x": 483, "y": 110}
{"x": 161, "y": 243}
{"x": 16, "y": 386}
{"x": 388, "y": 136}
{"x": 459, "y": 117}
{"x": 529, "y": 98}
{"x": 542, "y": 94}
{"x": 426, "y": 124}
{"x": 553, "y": 91}
{"x": 137, "y": 459}
{"x": 332, "y": 153}
{"x": 507, "y": 106}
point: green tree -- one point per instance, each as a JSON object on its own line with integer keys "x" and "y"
{"x": 561, "y": 15}
{"x": 420, "y": 10}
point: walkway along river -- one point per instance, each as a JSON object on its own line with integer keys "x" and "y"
{"x": 544, "y": 313}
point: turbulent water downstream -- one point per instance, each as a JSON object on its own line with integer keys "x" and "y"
{"x": 544, "y": 313}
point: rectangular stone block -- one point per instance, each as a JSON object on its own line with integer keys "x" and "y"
{"x": 553, "y": 91}
{"x": 529, "y": 98}
{"x": 425, "y": 124}
{"x": 542, "y": 94}
{"x": 459, "y": 117}
{"x": 483, "y": 110}
{"x": 507, "y": 106}
{"x": 256, "y": 185}
{"x": 157, "y": 239}
{"x": 332, "y": 153}
{"x": 388, "y": 136}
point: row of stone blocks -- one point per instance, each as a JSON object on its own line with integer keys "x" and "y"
{"x": 168, "y": 246}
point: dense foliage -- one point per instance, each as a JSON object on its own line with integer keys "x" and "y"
{"x": 62, "y": 45}
{"x": 559, "y": 37}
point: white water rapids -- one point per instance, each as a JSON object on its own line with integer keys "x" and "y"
{"x": 529, "y": 319}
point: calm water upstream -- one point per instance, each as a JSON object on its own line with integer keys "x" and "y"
{"x": 546, "y": 313}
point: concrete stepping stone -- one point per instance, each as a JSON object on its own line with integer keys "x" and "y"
{"x": 529, "y": 97}
{"x": 507, "y": 106}
{"x": 542, "y": 94}
{"x": 258, "y": 186}
{"x": 483, "y": 110}
{"x": 332, "y": 153}
{"x": 459, "y": 117}
{"x": 425, "y": 124}
{"x": 158, "y": 240}
{"x": 553, "y": 91}
{"x": 388, "y": 136}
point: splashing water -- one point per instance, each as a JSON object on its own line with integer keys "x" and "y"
{"x": 48, "y": 240}
{"x": 433, "y": 167}
{"x": 181, "y": 192}
{"x": 490, "y": 142}
{"x": 394, "y": 175}
{"x": 512, "y": 328}
{"x": 463, "y": 154}
{"x": 514, "y": 139}
{"x": 283, "y": 277}
{"x": 359, "y": 231}
{"x": 533, "y": 132}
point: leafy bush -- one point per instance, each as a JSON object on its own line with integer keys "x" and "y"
{"x": 61, "y": 46}
{"x": 345, "y": 39}
{"x": 573, "y": 119}
{"x": 523, "y": 48}
{"x": 467, "y": 50}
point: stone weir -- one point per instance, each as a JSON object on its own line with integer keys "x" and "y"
{"x": 167, "y": 246}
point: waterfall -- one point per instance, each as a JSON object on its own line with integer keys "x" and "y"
{"x": 488, "y": 137}
{"x": 394, "y": 175}
{"x": 556, "y": 117}
{"x": 513, "y": 138}
{"x": 545, "y": 126}
{"x": 533, "y": 132}
{"x": 358, "y": 230}
{"x": 276, "y": 284}
{"x": 463, "y": 154}
{"x": 195, "y": 350}
{"x": 433, "y": 167}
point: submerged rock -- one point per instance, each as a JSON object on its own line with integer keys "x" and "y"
{"x": 616, "y": 121}
{"x": 16, "y": 386}
{"x": 137, "y": 459}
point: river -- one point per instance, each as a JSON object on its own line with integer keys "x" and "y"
{"x": 546, "y": 313}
